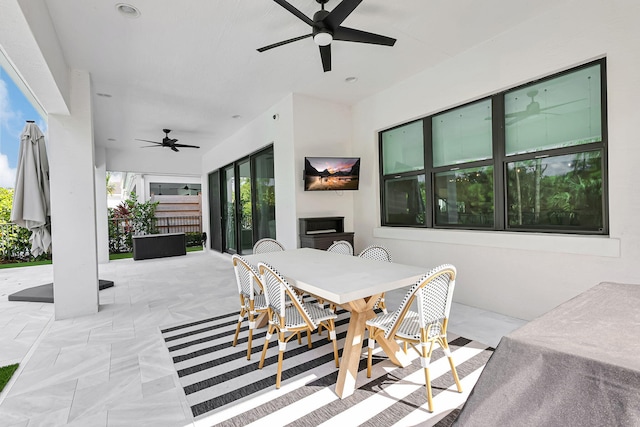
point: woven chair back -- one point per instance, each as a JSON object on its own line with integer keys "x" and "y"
{"x": 341, "y": 247}
{"x": 267, "y": 245}
{"x": 434, "y": 294}
{"x": 377, "y": 253}
{"x": 247, "y": 277}
{"x": 276, "y": 291}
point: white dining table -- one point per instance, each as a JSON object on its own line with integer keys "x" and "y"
{"x": 355, "y": 284}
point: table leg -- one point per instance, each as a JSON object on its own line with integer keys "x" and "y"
{"x": 262, "y": 320}
{"x": 352, "y": 350}
{"x": 393, "y": 350}
{"x": 361, "y": 311}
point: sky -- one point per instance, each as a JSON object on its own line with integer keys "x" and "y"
{"x": 15, "y": 109}
{"x": 332, "y": 164}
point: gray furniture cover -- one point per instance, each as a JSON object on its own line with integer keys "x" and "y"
{"x": 577, "y": 365}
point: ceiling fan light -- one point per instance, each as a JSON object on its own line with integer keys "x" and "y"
{"x": 323, "y": 38}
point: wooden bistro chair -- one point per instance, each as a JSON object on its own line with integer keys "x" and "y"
{"x": 291, "y": 318}
{"x": 341, "y": 247}
{"x": 424, "y": 328}
{"x": 377, "y": 253}
{"x": 267, "y": 245}
{"x": 251, "y": 302}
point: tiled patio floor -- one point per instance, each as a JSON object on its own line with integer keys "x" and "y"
{"x": 113, "y": 368}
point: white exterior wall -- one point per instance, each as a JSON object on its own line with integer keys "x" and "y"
{"x": 258, "y": 134}
{"x": 187, "y": 161}
{"x": 322, "y": 129}
{"x": 521, "y": 274}
{"x": 304, "y": 126}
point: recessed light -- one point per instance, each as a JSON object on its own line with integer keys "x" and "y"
{"x": 104, "y": 95}
{"x": 128, "y": 10}
{"x": 235, "y": 116}
{"x": 351, "y": 79}
{"x": 111, "y": 139}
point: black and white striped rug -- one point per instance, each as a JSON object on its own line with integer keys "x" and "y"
{"x": 224, "y": 388}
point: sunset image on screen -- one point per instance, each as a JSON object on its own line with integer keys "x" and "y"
{"x": 331, "y": 173}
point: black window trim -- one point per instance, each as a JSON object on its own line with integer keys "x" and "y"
{"x": 499, "y": 162}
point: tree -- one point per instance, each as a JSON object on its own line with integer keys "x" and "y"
{"x": 130, "y": 218}
{"x": 111, "y": 187}
{"x": 6, "y": 203}
{"x": 14, "y": 240}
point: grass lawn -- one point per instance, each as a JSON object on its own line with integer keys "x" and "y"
{"x": 25, "y": 264}
{"x": 111, "y": 257}
{"x": 5, "y": 374}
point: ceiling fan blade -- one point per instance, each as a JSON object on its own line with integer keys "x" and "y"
{"x": 185, "y": 145}
{"x": 515, "y": 120}
{"x": 340, "y": 13}
{"x": 325, "y": 55}
{"x": 174, "y": 149}
{"x": 271, "y": 46}
{"x": 561, "y": 104}
{"x": 352, "y": 35}
{"x": 295, "y": 11}
{"x": 146, "y": 140}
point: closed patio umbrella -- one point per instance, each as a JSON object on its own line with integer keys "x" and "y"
{"x": 31, "y": 198}
{"x": 32, "y": 206}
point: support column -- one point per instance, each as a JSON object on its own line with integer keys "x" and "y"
{"x": 73, "y": 204}
{"x": 141, "y": 188}
{"x": 101, "y": 205}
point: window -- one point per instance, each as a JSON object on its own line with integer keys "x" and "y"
{"x": 405, "y": 203}
{"x": 464, "y": 197}
{"x": 403, "y": 149}
{"x": 532, "y": 158}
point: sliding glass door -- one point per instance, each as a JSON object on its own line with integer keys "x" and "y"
{"x": 245, "y": 222}
{"x": 215, "y": 214}
{"x": 247, "y": 208}
{"x": 264, "y": 214}
{"x": 229, "y": 209}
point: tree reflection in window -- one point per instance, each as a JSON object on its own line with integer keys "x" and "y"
{"x": 561, "y": 191}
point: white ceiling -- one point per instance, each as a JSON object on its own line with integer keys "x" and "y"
{"x": 191, "y": 65}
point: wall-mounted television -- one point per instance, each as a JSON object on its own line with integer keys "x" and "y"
{"x": 331, "y": 173}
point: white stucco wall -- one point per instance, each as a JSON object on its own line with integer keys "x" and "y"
{"x": 303, "y": 126}
{"x": 520, "y": 274}
{"x": 187, "y": 161}
{"x": 260, "y": 133}
{"x": 322, "y": 129}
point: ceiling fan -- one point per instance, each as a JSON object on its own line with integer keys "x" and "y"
{"x": 325, "y": 27}
{"x": 533, "y": 108}
{"x": 167, "y": 142}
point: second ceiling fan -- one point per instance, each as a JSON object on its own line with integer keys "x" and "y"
{"x": 167, "y": 142}
{"x": 326, "y": 27}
